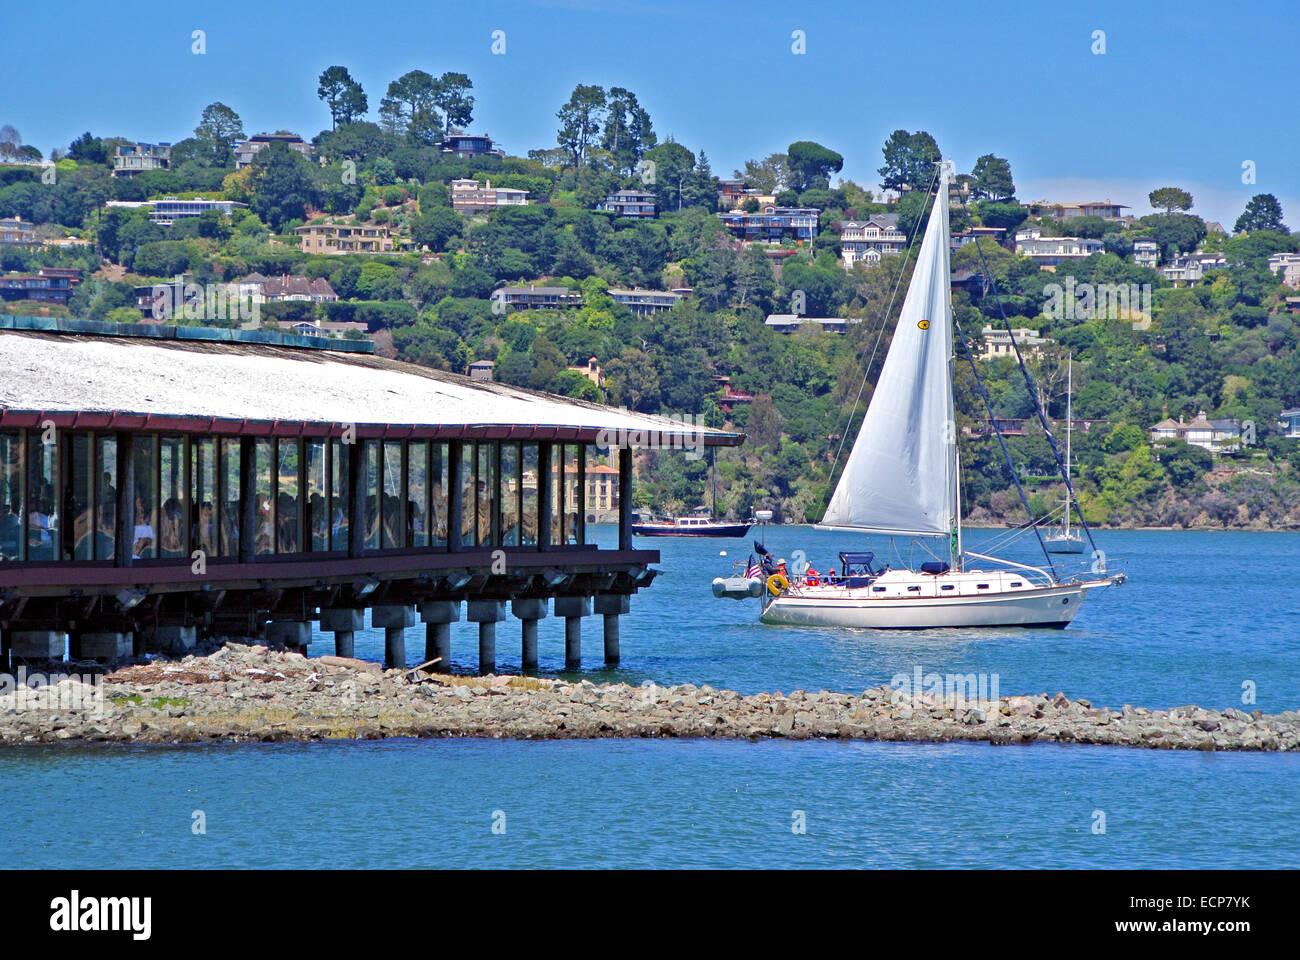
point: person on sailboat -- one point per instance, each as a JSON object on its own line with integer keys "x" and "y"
{"x": 811, "y": 577}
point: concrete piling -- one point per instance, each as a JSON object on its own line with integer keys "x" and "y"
{"x": 393, "y": 620}
{"x": 612, "y": 605}
{"x": 573, "y": 609}
{"x": 38, "y": 644}
{"x": 486, "y": 613}
{"x": 104, "y": 646}
{"x": 438, "y": 616}
{"x": 343, "y": 622}
{"x": 293, "y": 634}
{"x": 529, "y": 610}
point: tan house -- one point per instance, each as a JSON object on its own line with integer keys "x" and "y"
{"x": 17, "y": 232}
{"x": 338, "y": 238}
{"x": 470, "y": 196}
{"x": 998, "y": 344}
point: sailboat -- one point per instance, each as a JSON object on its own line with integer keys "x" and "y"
{"x": 901, "y": 479}
{"x": 1065, "y": 540}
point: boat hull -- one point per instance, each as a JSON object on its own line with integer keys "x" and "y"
{"x": 1046, "y": 607}
{"x": 732, "y": 530}
{"x": 1063, "y": 545}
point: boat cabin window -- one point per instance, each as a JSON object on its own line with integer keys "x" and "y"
{"x": 948, "y": 586}
{"x": 917, "y": 589}
{"x": 981, "y": 586}
{"x": 878, "y": 589}
{"x": 1016, "y": 583}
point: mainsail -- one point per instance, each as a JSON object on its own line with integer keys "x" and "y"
{"x": 901, "y": 478}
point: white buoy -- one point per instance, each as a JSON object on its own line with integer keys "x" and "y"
{"x": 722, "y": 553}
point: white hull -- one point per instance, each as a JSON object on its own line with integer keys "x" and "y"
{"x": 1063, "y": 544}
{"x": 1044, "y": 606}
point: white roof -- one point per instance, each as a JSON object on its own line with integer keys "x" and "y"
{"x": 61, "y": 373}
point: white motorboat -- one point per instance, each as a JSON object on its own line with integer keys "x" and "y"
{"x": 901, "y": 480}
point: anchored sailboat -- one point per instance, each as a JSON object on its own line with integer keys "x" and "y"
{"x": 1065, "y": 540}
{"x": 902, "y": 480}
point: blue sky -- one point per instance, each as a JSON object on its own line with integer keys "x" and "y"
{"x": 1184, "y": 93}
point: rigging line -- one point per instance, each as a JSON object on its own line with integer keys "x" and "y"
{"x": 1011, "y": 467}
{"x": 1029, "y": 384}
{"x": 866, "y": 371}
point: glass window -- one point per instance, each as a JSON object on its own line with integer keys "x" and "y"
{"x": 469, "y": 509}
{"x": 317, "y": 504}
{"x": 173, "y": 522}
{"x": 417, "y": 500}
{"x": 510, "y": 494}
{"x": 340, "y": 493}
{"x": 394, "y": 499}
{"x": 229, "y": 514}
{"x": 557, "y": 493}
{"x": 42, "y": 512}
{"x": 264, "y": 487}
{"x": 572, "y": 494}
{"x": 144, "y": 540}
{"x": 438, "y": 489}
{"x": 288, "y": 501}
{"x": 106, "y": 499}
{"x": 79, "y": 498}
{"x": 11, "y": 496}
{"x": 370, "y": 464}
{"x": 203, "y": 496}
{"x": 485, "y": 489}
{"x": 528, "y": 495}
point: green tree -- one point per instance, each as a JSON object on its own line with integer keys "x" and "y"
{"x": 628, "y": 132}
{"x": 580, "y": 121}
{"x": 700, "y": 188}
{"x": 770, "y": 175}
{"x": 343, "y": 95}
{"x": 1263, "y": 212}
{"x": 673, "y": 164}
{"x": 991, "y": 179}
{"x": 451, "y": 96}
{"x": 88, "y": 149}
{"x": 219, "y": 130}
{"x": 811, "y": 164}
{"x": 410, "y": 107}
{"x": 282, "y": 186}
{"x": 436, "y": 228}
{"x": 1170, "y": 199}
{"x": 909, "y": 160}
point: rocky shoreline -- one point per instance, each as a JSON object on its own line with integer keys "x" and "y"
{"x": 253, "y": 693}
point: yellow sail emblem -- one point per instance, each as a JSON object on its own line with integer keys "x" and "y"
{"x": 923, "y": 324}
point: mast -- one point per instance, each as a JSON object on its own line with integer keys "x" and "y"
{"x": 1069, "y": 424}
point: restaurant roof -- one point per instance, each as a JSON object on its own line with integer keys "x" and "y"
{"x": 229, "y": 387}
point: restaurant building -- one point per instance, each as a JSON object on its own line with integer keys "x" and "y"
{"x": 161, "y": 483}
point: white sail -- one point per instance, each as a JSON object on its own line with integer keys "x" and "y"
{"x": 900, "y": 477}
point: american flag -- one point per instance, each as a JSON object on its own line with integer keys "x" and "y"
{"x": 752, "y": 570}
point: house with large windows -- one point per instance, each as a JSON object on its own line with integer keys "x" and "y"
{"x": 867, "y": 241}
{"x": 131, "y": 159}
{"x": 772, "y": 224}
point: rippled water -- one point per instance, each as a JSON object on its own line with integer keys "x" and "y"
{"x": 1203, "y": 614}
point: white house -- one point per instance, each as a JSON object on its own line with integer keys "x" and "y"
{"x": 1287, "y": 266}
